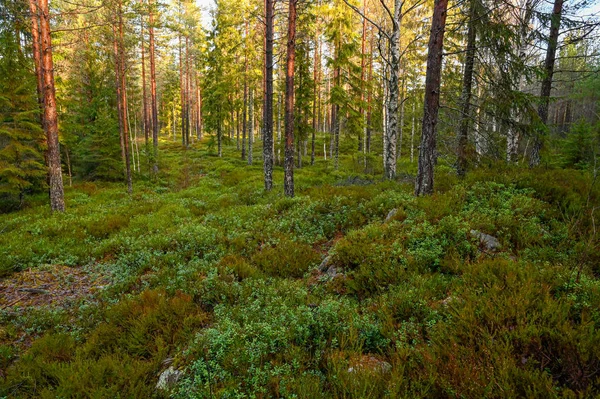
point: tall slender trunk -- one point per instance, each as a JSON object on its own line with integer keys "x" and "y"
{"x": 250, "y": 125}
{"x": 513, "y": 135}
{"x": 315, "y": 117}
{"x": 288, "y": 181}
{"x": 35, "y": 14}
{"x": 42, "y": 47}
{"x": 125, "y": 109}
{"x": 244, "y": 115}
{"x": 220, "y": 139}
{"x": 153, "y": 100}
{"x": 120, "y": 82}
{"x": 181, "y": 92}
{"x": 428, "y": 152}
{"x": 237, "y": 125}
{"x": 463, "y": 134}
{"x": 412, "y": 134}
{"x": 401, "y": 127}
{"x": 534, "y": 159}
{"x": 268, "y": 101}
{"x": 361, "y": 110}
{"x": 368, "y": 128}
{"x": 146, "y": 115}
{"x": 394, "y": 93}
{"x": 335, "y": 111}
{"x": 187, "y": 90}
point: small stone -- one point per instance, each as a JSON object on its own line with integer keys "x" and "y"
{"x": 168, "y": 379}
{"x": 372, "y": 364}
{"x": 488, "y": 242}
{"x": 332, "y": 272}
{"x": 390, "y": 215}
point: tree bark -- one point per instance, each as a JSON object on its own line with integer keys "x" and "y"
{"x": 412, "y": 134}
{"x": 463, "y": 134}
{"x": 268, "y": 101}
{"x": 153, "y": 99}
{"x": 315, "y": 118}
{"x": 534, "y": 159}
{"x": 44, "y": 64}
{"x": 124, "y": 107}
{"x": 335, "y": 111}
{"x": 146, "y": 115}
{"x": 427, "y": 153}
{"x": 394, "y": 94}
{"x": 251, "y": 125}
{"x": 361, "y": 110}
{"x": 245, "y": 103}
{"x": 369, "y": 100}
{"x": 288, "y": 182}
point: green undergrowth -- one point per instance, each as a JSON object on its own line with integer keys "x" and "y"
{"x": 204, "y": 268}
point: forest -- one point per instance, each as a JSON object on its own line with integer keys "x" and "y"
{"x": 299, "y": 199}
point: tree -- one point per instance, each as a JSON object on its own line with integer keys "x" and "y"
{"x": 427, "y": 153}
{"x": 121, "y": 90}
{"x": 40, "y": 18}
{"x": 534, "y": 158}
{"x": 289, "y": 101}
{"x": 153, "y": 95}
{"x": 268, "y": 99}
{"x": 463, "y": 135}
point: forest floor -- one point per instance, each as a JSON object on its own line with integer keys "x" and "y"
{"x": 246, "y": 294}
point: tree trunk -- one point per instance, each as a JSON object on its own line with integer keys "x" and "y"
{"x": 288, "y": 182}
{"x": 427, "y": 153}
{"x": 361, "y": 110}
{"x": 463, "y": 134}
{"x": 245, "y": 106}
{"x": 153, "y": 100}
{"x": 268, "y": 104}
{"x": 534, "y": 159}
{"x": 251, "y": 125}
{"x": 146, "y": 116}
{"x": 316, "y": 66}
{"x": 369, "y": 100}
{"x": 124, "y": 107}
{"x": 335, "y": 111}
{"x": 181, "y": 91}
{"x": 187, "y": 90}
{"x": 219, "y": 139}
{"x": 42, "y": 49}
{"x": 401, "y": 127}
{"x": 394, "y": 94}
{"x": 412, "y": 134}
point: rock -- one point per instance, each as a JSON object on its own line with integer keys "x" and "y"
{"x": 324, "y": 264}
{"x": 168, "y": 379}
{"x": 390, "y": 215}
{"x": 370, "y": 363}
{"x": 488, "y": 242}
{"x": 332, "y": 271}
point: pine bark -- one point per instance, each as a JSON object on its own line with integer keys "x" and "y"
{"x": 146, "y": 115}
{"x": 288, "y": 183}
{"x": 43, "y": 61}
{"x": 361, "y": 110}
{"x": 546, "y": 89}
{"x": 427, "y": 153}
{"x": 315, "y": 117}
{"x": 268, "y": 101}
{"x": 251, "y": 125}
{"x": 153, "y": 98}
{"x": 463, "y": 134}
